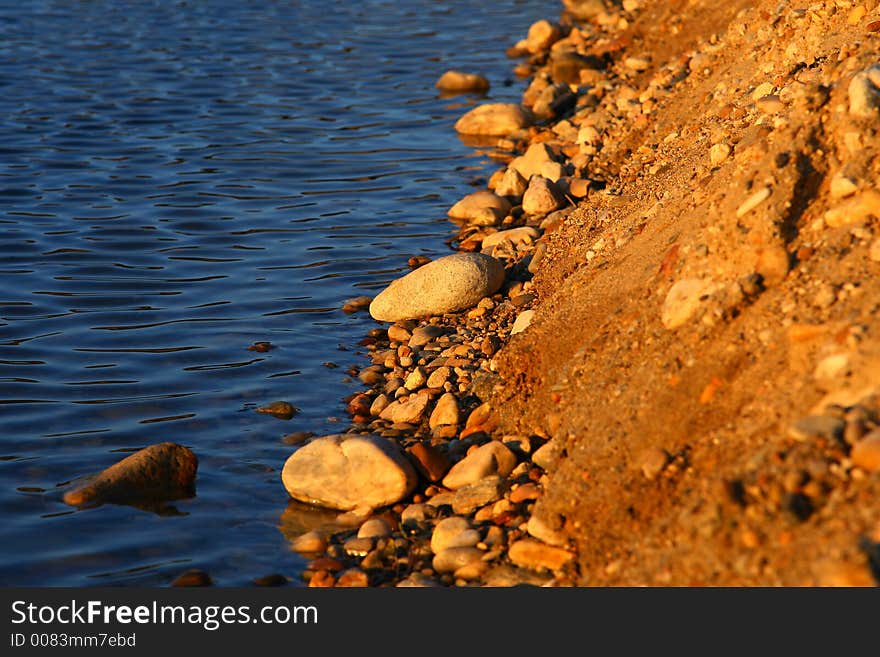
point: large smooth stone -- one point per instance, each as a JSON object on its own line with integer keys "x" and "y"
{"x": 160, "y": 472}
{"x": 449, "y": 284}
{"x": 493, "y": 119}
{"x": 349, "y": 472}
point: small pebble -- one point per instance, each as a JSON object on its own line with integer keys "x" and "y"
{"x": 194, "y": 577}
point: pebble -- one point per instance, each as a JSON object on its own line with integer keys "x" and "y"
{"x": 472, "y": 571}
{"x": 297, "y": 437}
{"x": 842, "y": 186}
{"x": 541, "y": 35}
{"x": 274, "y": 579}
{"x": 471, "y": 497}
{"x": 522, "y": 321}
{"x": 718, "y": 154}
{"x": 438, "y": 377}
{"x": 832, "y": 369}
{"x": 652, "y": 461}
{"x": 579, "y": 187}
{"x": 425, "y": 334}
{"x": 374, "y": 528}
{"x": 281, "y": 409}
{"x": 494, "y": 119}
{"x": 193, "y": 577}
{"x": 535, "y": 555}
{"x": 493, "y": 458}
{"x": 455, "y": 531}
{"x": 452, "y": 283}
{"x": 521, "y": 235}
{"x": 353, "y": 577}
{"x": 356, "y": 304}
{"x": 473, "y": 206}
{"x": 322, "y": 579}
{"x": 532, "y": 161}
{"x": 637, "y": 64}
{"x": 160, "y": 472}
{"x": 451, "y": 559}
{"x": 545, "y": 531}
{"x": 349, "y": 472}
{"x": 357, "y": 546}
{"x": 380, "y": 403}
{"x": 864, "y": 93}
{"x": 542, "y": 196}
{"x": 569, "y": 67}
{"x": 445, "y": 412}
{"x": 431, "y": 463}
{"x": 410, "y": 411}
{"x": 684, "y": 300}
{"x": 415, "y": 515}
{"x": 548, "y": 454}
{"x": 417, "y": 580}
{"x": 312, "y": 542}
{"x": 511, "y": 184}
{"x": 753, "y": 201}
{"x": 416, "y": 379}
{"x": 773, "y": 264}
{"x": 866, "y": 453}
{"x": 459, "y": 81}
{"x": 770, "y": 104}
{"x": 397, "y": 333}
{"x": 525, "y": 493}
{"x": 855, "y": 209}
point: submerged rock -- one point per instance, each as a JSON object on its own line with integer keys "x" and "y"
{"x": 455, "y": 282}
{"x": 493, "y": 119}
{"x": 349, "y": 472}
{"x": 462, "y": 82}
{"x": 161, "y": 472}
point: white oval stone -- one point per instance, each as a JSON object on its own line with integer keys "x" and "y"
{"x": 449, "y": 284}
{"x": 349, "y": 472}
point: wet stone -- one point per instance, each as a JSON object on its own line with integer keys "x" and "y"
{"x": 311, "y": 542}
{"x": 193, "y": 577}
{"x": 160, "y": 472}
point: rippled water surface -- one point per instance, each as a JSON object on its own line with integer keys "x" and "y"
{"x": 177, "y": 181}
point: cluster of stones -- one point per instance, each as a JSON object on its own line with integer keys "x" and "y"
{"x": 432, "y": 495}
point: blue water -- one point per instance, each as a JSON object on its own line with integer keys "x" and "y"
{"x": 177, "y": 181}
